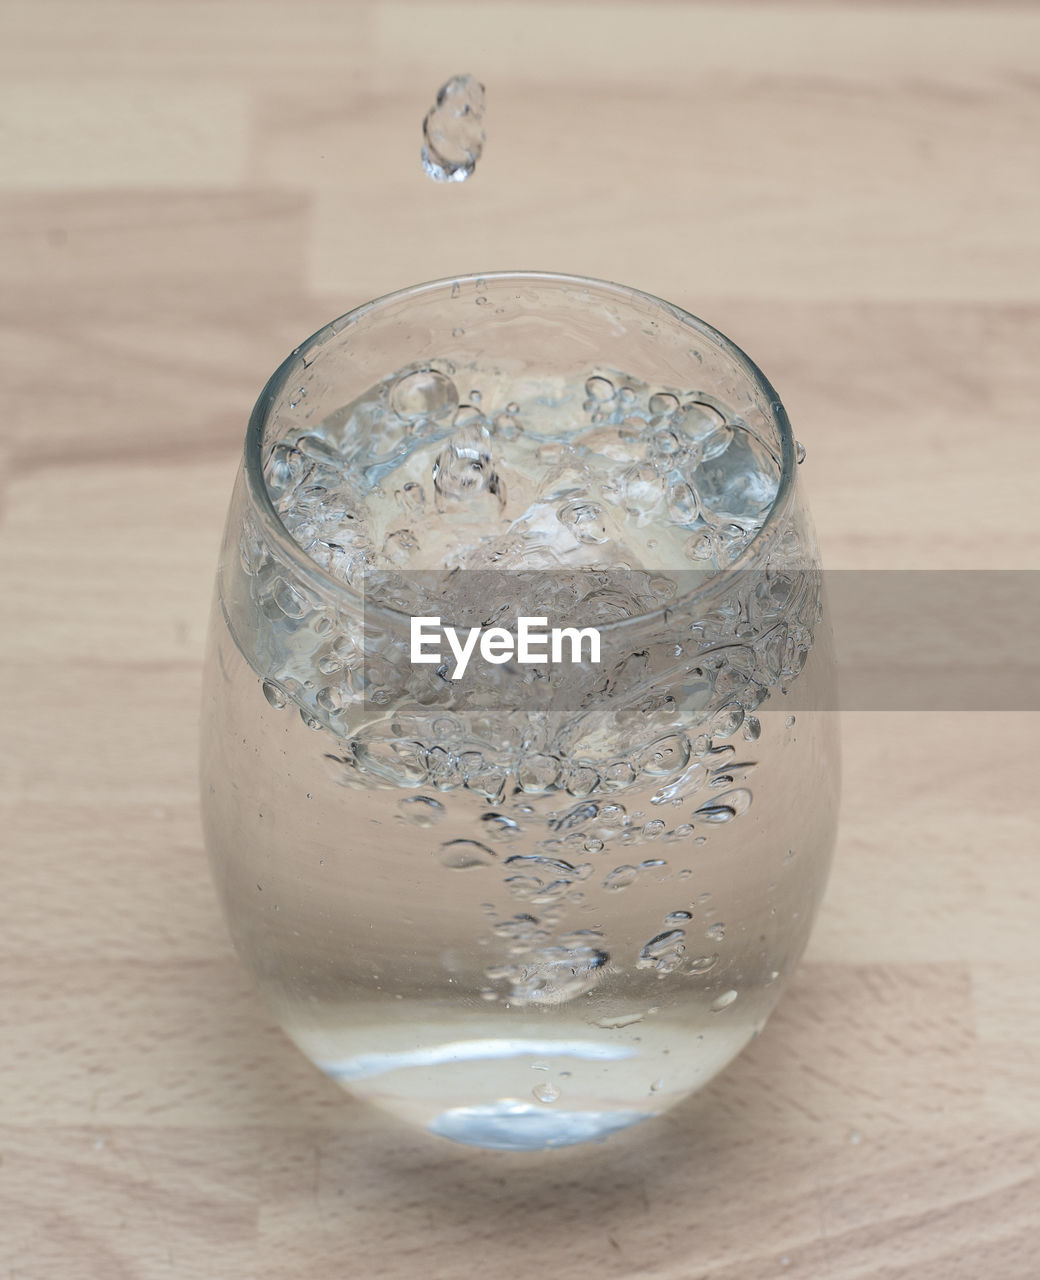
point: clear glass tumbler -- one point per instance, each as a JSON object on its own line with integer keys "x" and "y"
{"x": 537, "y": 902}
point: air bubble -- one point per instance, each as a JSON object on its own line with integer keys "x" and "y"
{"x": 463, "y": 855}
{"x": 702, "y": 547}
{"x": 427, "y": 393}
{"x": 412, "y": 498}
{"x": 501, "y": 826}
{"x": 463, "y": 468}
{"x": 619, "y": 774}
{"x": 663, "y": 402}
{"x": 275, "y": 696}
{"x": 554, "y": 975}
{"x": 726, "y": 722}
{"x": 538, "y": 773}
{"x": 616, "y": 1021}
{"x": 423, "y": 811}
{"x": 726, "y": 807}
{"x": 723, "y": 1001}
{"x": 716, "y": 932}
{"x": 683, "y": 507}
{"x": 507, "y": 426}
{"x": 585, "y": 521}
{"x": 546, "y": 1092}
{"x": 664, "y": 952}
{"x": 331, "y": 699}
{"x": 621, "y": 877}
{"x": 400, "y": 545}
{"x": 701, "y": 964}
{"x": 582, "y": 781}
{"x": 601, "y": 389}
{"x": 665, "y": 756}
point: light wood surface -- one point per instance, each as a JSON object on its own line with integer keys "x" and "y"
{"x": 186, "y": 191}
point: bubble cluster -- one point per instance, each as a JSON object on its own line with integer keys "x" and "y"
{"x": 663, "y": 953}
{"x": 572, "y": 784}
{"x": 552, "y": 975}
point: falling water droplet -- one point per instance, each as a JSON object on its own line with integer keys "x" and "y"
{"x": 453, "y": 131}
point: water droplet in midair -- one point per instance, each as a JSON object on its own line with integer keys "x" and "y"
{"x": 453, "y": 131}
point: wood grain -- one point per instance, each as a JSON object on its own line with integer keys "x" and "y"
{"x": 852, "y": 192}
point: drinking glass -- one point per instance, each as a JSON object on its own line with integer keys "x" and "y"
{"x": 540, "y": 902}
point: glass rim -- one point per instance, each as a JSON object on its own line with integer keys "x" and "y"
{"x": 328, "y": 585}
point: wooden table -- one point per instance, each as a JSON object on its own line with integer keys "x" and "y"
{"x": 186, "y": 191}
